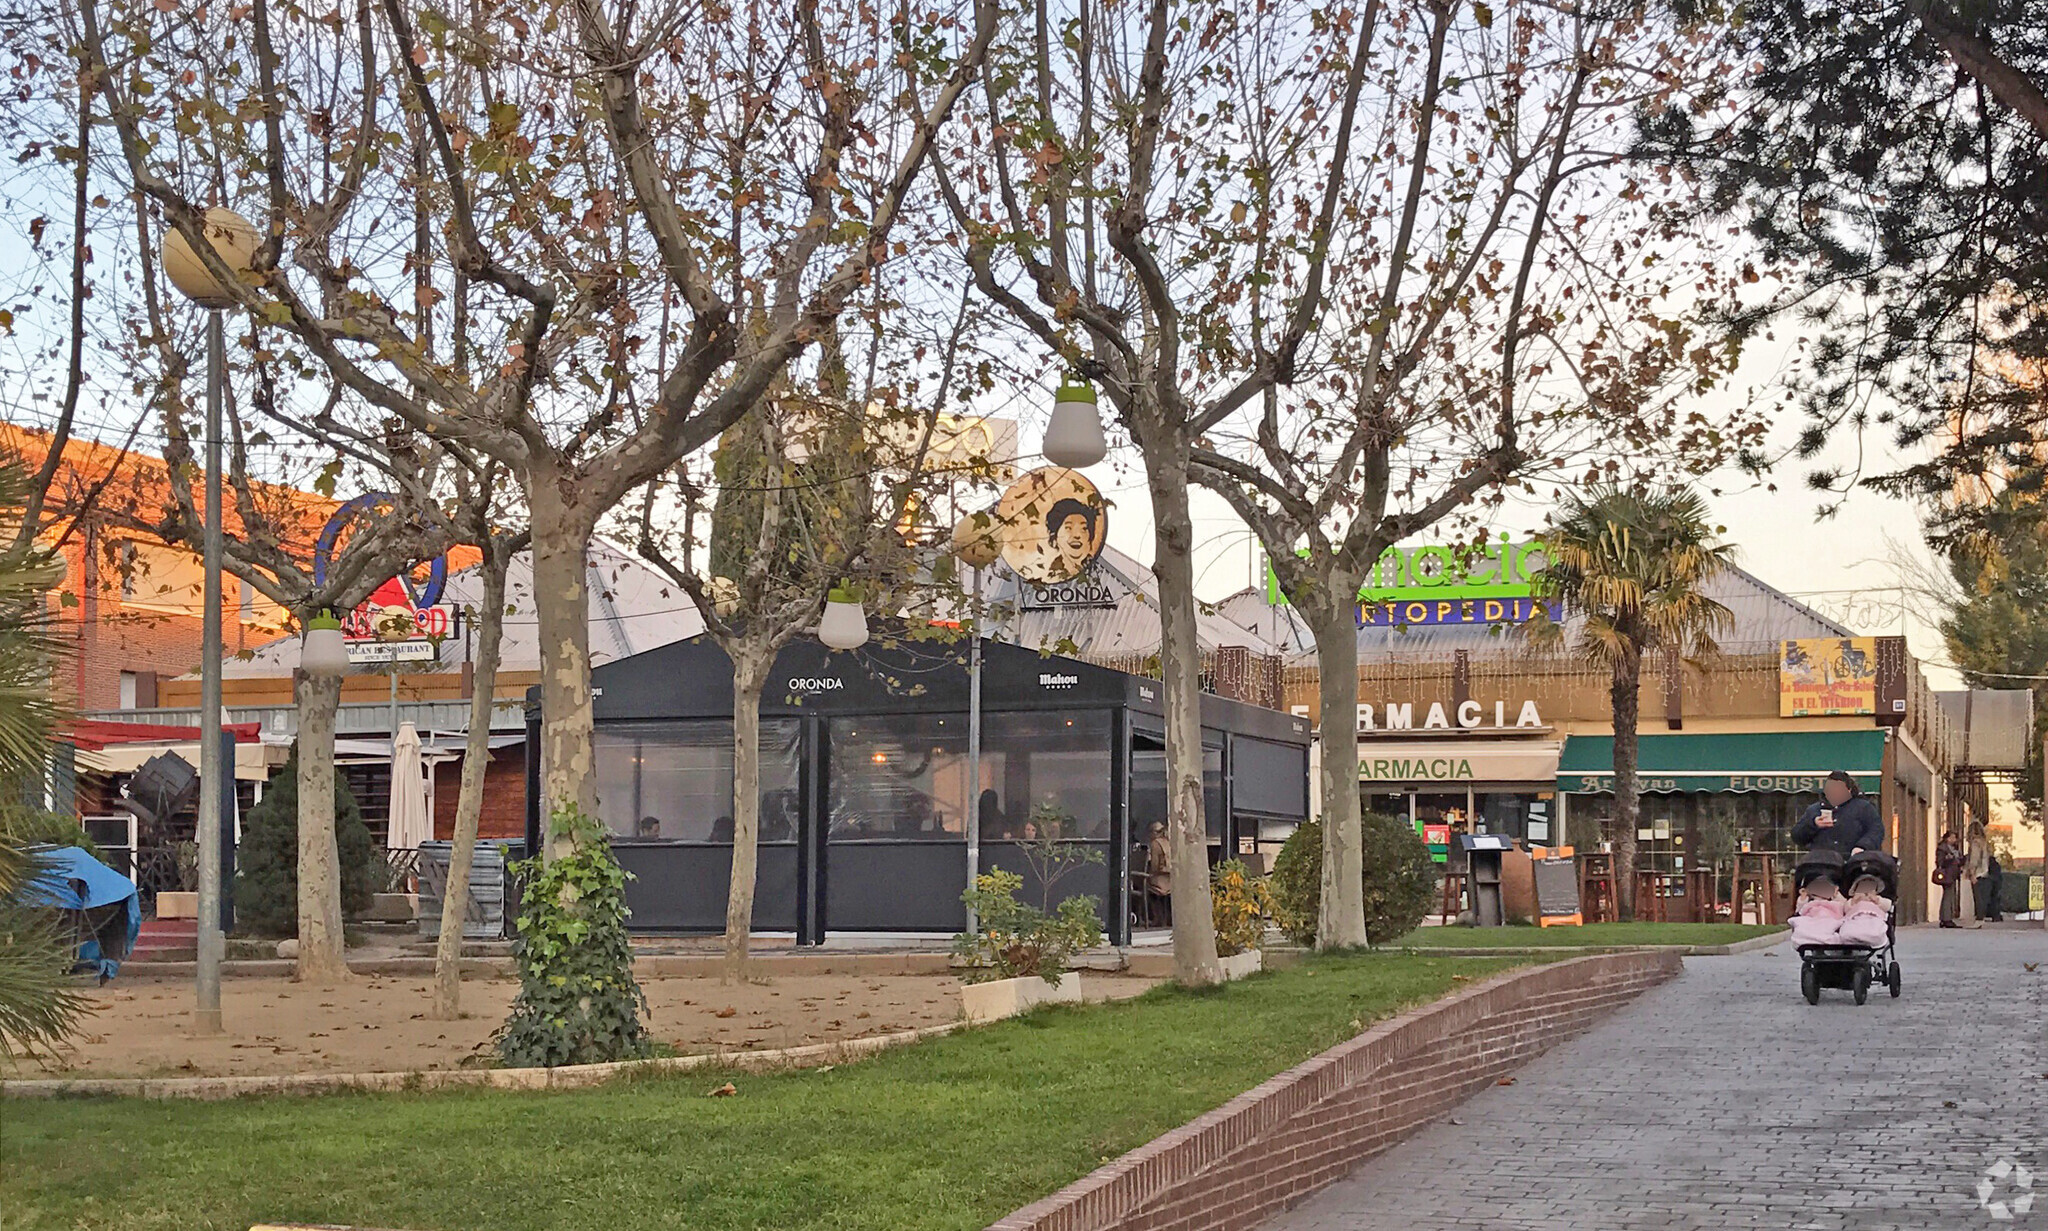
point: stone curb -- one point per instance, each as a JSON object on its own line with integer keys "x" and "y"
{"x": 567, "y": 1077}
{"x": 648, "y": 964}
{"x": 1728, "y": 950}
{"x": 1275, "y": 1144}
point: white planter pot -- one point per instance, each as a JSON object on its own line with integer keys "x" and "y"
{"x": 1238, "y": 965}
{"x": 988, "y": 1002}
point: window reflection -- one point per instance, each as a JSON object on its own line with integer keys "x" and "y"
{"x": 672, "y": 781}
{"x": 1148, "y": 786}
{"x": 1045, "y": 775}
{"x": 901, "y": 777}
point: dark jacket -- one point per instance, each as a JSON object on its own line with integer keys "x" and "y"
{"x": 1856, "y": 827}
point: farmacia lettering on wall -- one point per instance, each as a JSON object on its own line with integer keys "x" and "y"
{"x": 1469, "y": 716}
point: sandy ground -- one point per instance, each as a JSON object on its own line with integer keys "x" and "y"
{"x": 379, "y": 1023}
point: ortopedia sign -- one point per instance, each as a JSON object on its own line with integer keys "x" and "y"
{"x": 1486, "y": 583}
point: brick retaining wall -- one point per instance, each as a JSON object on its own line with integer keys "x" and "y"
{"x": 1268, "y": 1148}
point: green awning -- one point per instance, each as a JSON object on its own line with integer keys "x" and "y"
{"x": 1794, "y": 761}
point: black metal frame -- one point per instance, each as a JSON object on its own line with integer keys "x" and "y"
{"x": 904, "y": 674}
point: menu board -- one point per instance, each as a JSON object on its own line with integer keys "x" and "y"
{"x": 1557, "y": 887}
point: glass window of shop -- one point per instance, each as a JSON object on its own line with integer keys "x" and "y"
{"x": 672, "y": 781}
{"x": 1045, "y": 772}
{"x": 1148, "y": 787}
{"x": 898, "y": 776}
{"x": 1673, "y": 831}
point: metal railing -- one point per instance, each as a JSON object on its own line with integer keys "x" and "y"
{"x": 355, "y": 718}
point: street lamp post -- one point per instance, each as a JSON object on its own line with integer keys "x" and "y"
{"x": 975, "y": 545}
{"x": 233, "y": 240}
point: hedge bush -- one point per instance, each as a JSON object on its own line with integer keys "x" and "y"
{"x": 1400, "y": 879}
{"x": 267, "y": 861}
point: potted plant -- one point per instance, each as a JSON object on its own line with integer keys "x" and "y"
{"x": 1240, "y": 904}
{"x": 1018, "y": 955}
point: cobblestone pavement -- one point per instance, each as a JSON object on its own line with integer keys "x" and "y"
{"x": 1721, "y": 1099}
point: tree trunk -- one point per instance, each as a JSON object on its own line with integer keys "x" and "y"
{"x": 749, "y": 670}
{"x": 323, "y": 959}
{"x": 561, "y": 599}
{"x": 1180, "y": 669}
{"x": 1341, "y": 923}
{"x": 469, "y": 806}
{"x": 1625, "y": 692}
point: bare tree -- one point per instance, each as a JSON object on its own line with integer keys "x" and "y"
{"x": 579, "y": 177}
{"x": 474, "y": 507}
{"x": 820, "y": 486}
{"x": 1308, "y": 253}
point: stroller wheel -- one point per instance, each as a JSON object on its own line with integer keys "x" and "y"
{"x": 1894, "y": 980}
{"x": 1809, "y": 982}
{"x": 1862, "y": 987}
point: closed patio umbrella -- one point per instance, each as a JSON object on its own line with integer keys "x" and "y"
{"x": 410, "y": 822}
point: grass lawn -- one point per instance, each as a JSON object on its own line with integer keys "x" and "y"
{"x": 951, "y": 1133}
{"x": 1588, "y": 934}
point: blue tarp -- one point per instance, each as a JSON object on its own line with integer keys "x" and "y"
{"x": 70, "y": 879}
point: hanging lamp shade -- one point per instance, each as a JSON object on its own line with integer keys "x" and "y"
{"x": 845, "y": 622}
{"x": 322, "y": 650}
{"x": 974, "y": 540}
{"x": 234, "y": 240}
{"x": 1074, "y": 437}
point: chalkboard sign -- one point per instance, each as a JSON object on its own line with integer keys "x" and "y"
{"x": 1557, "y": 887}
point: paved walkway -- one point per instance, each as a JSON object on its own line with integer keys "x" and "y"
{"x": 1723, "y": 1100}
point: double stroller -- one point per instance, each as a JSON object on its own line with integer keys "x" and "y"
{"x": 1841, "y": 964}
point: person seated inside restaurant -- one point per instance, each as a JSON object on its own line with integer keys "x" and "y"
{"x": 649, "y": 827}
{"x": 1159, "y": 865}
{"x": 993, "y": 823}
{"x": 721, "y": 829}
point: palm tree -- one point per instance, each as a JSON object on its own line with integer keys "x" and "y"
{"x": 1632, "y": 566}
{"x": 36, "y": 1009}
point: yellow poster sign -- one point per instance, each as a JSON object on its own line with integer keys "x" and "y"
{"x": 1827, "y": 675}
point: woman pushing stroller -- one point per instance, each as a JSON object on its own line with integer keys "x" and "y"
{"x": 1844, "y": 940}
{"x": 1844, "y": 821}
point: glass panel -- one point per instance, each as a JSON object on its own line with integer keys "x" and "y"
{"x": 1269, "y": 777}
{"x": 1395, "y": 806}
{"x": 899, "y": 777}
{"x": 1443, "y": 809}
{"x": 672, "y": 781}
{"x": 1046, "y": 770}
{"x": 1521, "y": 815}
{"x": 1148, "y": 790}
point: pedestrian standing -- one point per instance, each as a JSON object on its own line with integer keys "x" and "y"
{"x": 1976, "y": 868}
{"x": 1948, "y": 873}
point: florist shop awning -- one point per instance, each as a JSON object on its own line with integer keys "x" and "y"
{"x": 1794, "y": 762}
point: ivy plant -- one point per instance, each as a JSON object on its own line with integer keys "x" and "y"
{"x": 578, "y": 1001}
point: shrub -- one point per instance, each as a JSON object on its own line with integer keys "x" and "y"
{"x": 1014, "y": 940}
{"x": 267, "y": 860}
{"x": 1400, "y": 879}
{"x": 578, "y": 1002}
{"x": 1296, "y": 884}
{"x": 1239, "y": 904}
{"x": 23, "y": 826}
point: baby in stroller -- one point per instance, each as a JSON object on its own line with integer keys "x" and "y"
{"x": 1817, "y": 920}
{"x": 1865, "y": 917}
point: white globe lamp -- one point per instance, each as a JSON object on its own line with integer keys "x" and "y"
{"x": 974, "y": 540}
{"x": 234, "y": 240}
